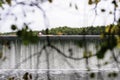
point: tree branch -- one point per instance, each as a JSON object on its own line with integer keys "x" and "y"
{"x": 70, "y": 57}
{"x": 29, "y": 57}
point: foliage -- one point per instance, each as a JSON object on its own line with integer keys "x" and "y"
{"x": 26, "y": 34}
{"x": 110, "y": 33}
{"x": 96, "y": 30}
{"x": 112, "y": 74}
{"x": 50, "y": 1}
{"x": 76, "y": 31}
{"x": 92, "y": 75}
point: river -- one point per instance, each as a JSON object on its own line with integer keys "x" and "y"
{"x": 19, "y": 58}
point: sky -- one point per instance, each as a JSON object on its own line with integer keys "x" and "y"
{"x": 58, "y": 13}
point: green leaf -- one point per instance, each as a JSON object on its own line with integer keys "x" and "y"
{"x": 50, "y": 1}
{"x": 11, "y": 78}
{"x": 13, "y": 27}
{"x": 26, "y": 27}
{"x": 92, "y": 75}
{"x": 1, "y": 4}
{"x": 114, "y": 74}
{"x": 85, "y": 54}
{"x": 27, "y": 36}
{"x": 109, "y": 75}
{"x": 101, "y": 53}
{"x": 80, "y": 43}
{"x": 8, "y": 1}
{"x": 25, "y": 42}
{"x": 19, "y": 33}
{"x": 1, "y": 55}
{"x": 105, "y": 63}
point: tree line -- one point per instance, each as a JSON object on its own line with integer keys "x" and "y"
{"x": 76, "y": 31}
{"x": 65, "y": 30}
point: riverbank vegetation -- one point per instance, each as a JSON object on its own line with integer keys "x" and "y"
{"x": 110, "y": 43}
{"x": 97, "y": 30}
{"x": 65, "y": 30}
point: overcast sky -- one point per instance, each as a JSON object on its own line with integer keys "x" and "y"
{"x": 59, "y": 13}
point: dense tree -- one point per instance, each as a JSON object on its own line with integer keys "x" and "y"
{"x": 76, "y": 31}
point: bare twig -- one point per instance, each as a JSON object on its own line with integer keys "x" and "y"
{"x": 115, "y": 59}
{"x": 48, "y": 65}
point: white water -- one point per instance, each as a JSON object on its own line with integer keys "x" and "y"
{"x": 18, "y": 52}
{"x": 58, "y": 64}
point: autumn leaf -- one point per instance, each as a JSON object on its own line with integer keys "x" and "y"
{"x": 90, "y": 2}
{"x": 96, "y": 1}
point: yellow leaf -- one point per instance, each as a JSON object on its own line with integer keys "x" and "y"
{"x": 112, "y": 29}
{"x": 84, "y": 54}
{"x": 96, "y": 1}
{"x": 59, "y": 33}
{"x": 118, "y": 41}
{"x": 90, "y": 54}
{"x": 102, "y": 36}
{"x": 1, "y": 54}
{"x": 116, "y": 5}
{"x": 107, "y": 29}
{"x": 90, "y": 2}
